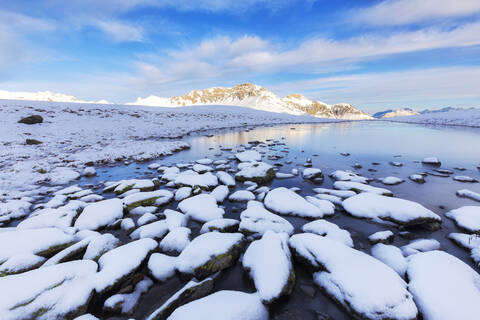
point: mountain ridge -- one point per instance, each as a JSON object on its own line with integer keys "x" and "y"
{"x": 257, "y": 97}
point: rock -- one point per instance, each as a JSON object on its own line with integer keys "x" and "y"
{"x": 467, "y": 218}
{"x": 329, "y": 230}
{"x": 220, "y": 225}
{"x": 20, "y": 263}
{"x": 34, "y": 119}
{"x": 391, "y": 181}
{"x": 308, "y": 290}
{"x": 384, "y": 237}
{"x": 432, "y": 161}
{"x": 192, "y": 291}
{"x": 391, "y": 256}
{"x": 258, "y": 172}
{"x": 269, "y": 264}
{"x": 100, "y": 214}
{"x": 364, "y": 286}
{"x": 228, "y": 305}
{"x": 360, "y": 187}
{"x": 256, "y": 220}
{"x": 125, "y": 303}
{"x": 340, "y": 175}
{"x": 161, "y": 266}
{"x": 418, "y": 178}
{"x": 285, "y": 201}
{"x": 202, "y": 207}
{"x": 32, "y": 142}
{"x": 465, "y": 193}
{"x": 89, "y": 172}
{"x": 312, "y": 173}
{"x": 158, "y": 198}
{"x": 210, "y": 252}
{"x": 465, "y": 179}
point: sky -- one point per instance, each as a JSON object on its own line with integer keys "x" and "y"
{"x": 373, "y": 54}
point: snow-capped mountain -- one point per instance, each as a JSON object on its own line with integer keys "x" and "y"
{"x": 44, "y": 96}
{"x": 395, "y": 113}
{"x": 445, "y": 109}
{"x": 257, "y": 97}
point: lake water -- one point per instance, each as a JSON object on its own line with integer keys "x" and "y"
{"x": 367, "y": 142}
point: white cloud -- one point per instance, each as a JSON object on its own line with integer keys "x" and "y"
{"x": 248, "y": 55}
{"x": 371, "y": 91}
{"x": 17, "y": 22}
{"x": 120, "y": 31}
{"x": 401, "y": 12}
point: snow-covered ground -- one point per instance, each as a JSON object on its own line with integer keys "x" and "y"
{"x": 470, "y": 118}
{"x": 73, "y": 134}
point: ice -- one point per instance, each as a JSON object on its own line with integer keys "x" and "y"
{"x": 183, "y": 193}
{"x": 227, "y": 305}
{"x": 241, "y": 196}
{"x": 225, "y": 179}
{"x": 204, "y": 248}
{"x": 469, "y": 194}
{"x": 100, "y": 214}
{"x": 330, "y": 230}
{"x": 176, "y": 240}
{"x": 340, "y": 175}
{"x": 221, "y": 225}
{"x": 285, "y": 201}
{"x": 360, "y": 283}
{"x": 42, "y": 241}
{"x": 126, "y": 302}
{"x": 161, "y": 266}
{"x": 467, "y": 218}
{"x": 257, "y": 220}
{"x": 391, "y": 256}
{"x": 420, "y": 245}
{"x": 202, "y": 208}
{"x": 248, "y": 156}
{"x": 444, "y": 287}
{"x": 381, "y": 208}
{"x": 220, "y": 193}
{"x": 360, "y": 187}
{"x": 269, "y": 264}
{"x": 120, "y": 262}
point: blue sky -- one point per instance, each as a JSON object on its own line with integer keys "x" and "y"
{"x": 373, "y": 54}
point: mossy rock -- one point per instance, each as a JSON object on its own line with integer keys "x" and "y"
{"x": 220, "y": 262}
{"x": 47, "y": 253}
{"x": 268, "y": 177}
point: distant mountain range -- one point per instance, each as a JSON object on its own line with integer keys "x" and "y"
{"x": 410, "y": 112}
{"x": 44, "y": 96}
{"x": 257, "y": 97}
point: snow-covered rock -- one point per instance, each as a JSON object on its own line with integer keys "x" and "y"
{"x": 241, "y": 196}
{"x": 420, "y": 245}
{"x": 269, "y": 264}
{"x": 360, "y": 283}
{"x": 360, "y": 187}
{"x": 381, "y": 208}
{"x": 327, "y": 207}
{"x": 248, "y": 156}
{"x": 157, "y": 198}
{"x": 161, "y": 266}
{"x": 204, "y": 181}
{"x": 220, "y": 193}
{"x": 340, "y": 175}
{"x": 469, "y": 194}
{"x": 183, "y": 193}
{"x": 338, "y": 193}
{"x": 391, "y": 181}
{"x": 285, "y": 201}
{"x": 146, "y": 218}
{"x": 100, "y": 214}
{"x": 330, "y": 230}
{"x": 226, "y": 179}
{"x": 257, "y": 220}
{"x": 120, "y": 263}
{"x": 154, "y": 230}
{"x": 381, "y": 237}
{"x": 125, "y": 303}
{"x": 42, "y": 242}
{"x": 418, "y": 178}
{"x": 202, "y": 207}
{"x": 312, "y": 173}
{"x": 465, "y": 179}
{"x": 443, "y": 286}
{"x": 20, "y": 263}
{"x": 100, "y": 245}
{"x": 259, "y": 172}
{"x": 200, "y": 168}
{"x": 470, "y": 242}
{"x": 432, "y": 161}
{"x": 467, "y": 218}
{"x": 228, "y": 305}
{"x": 391, "y": 256}
{"x": 56, "y": 292}
{"x": 175, "y": 219}
{"x": 176, "y": 240}
{"x": 220, "y": 225}
{"x": 209, "y": 253}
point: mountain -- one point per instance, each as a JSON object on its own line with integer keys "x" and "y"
{"x": 446, "y": 109}
{"x": 44, "y": 96}
{"x": 395, "y": 113}
{"x": 257, "y": 97}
